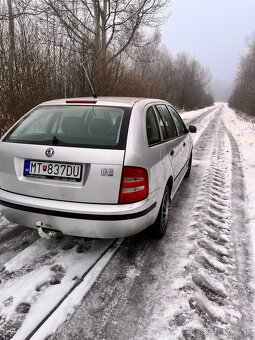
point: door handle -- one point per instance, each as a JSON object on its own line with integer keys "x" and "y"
{"x": 172, "y": 153}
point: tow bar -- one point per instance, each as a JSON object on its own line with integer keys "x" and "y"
{"x": 46, "y": 233}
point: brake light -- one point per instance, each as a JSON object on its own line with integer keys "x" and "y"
{"x": 80, "y": 101}
{"x": 134, "y": 185}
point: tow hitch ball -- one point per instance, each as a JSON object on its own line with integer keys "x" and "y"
{"x": 46, "y": 233}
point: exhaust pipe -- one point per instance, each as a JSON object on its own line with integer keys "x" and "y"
{"x": 46, "y": 233}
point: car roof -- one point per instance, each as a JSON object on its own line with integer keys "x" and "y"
{"x": 107, "y": 101}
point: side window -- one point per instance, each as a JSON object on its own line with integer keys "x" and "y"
{"x": 181, "y": 128}
{"x": 153, "y": 134}
{"x": 162, "y": 127}
{"x": 167, "y": 121}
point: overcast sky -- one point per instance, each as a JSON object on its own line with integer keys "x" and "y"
{"x": 214, "y": 31}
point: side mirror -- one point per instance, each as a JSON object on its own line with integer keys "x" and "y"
{"x": 192, "y": 129}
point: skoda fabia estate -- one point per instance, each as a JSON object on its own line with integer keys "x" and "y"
{"x": 103, "y": 168}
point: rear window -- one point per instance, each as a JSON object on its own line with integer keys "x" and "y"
{"x": 82, "y": 126}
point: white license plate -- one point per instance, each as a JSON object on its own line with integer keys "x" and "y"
{"x": 53, "y": 170}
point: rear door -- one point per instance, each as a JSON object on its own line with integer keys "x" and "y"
{"x": 169, "y": 134}
{"x": 182, "y": 135}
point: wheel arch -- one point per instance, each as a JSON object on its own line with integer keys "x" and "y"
{"x": 169, "y": 184}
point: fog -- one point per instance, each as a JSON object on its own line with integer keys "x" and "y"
{"x": 215, "y": 32}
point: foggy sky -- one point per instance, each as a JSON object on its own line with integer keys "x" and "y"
{"x": 215, "y": 32}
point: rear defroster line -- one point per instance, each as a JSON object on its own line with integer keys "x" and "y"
{"x": 111, "y": 249}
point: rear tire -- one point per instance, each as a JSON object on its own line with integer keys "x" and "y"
{"x": 161, "y": 223}
{"x": 189, "y": 167}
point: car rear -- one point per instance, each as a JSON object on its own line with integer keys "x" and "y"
{"x": 62, "y": 165}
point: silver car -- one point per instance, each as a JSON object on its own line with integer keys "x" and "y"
{"x": 105, "y": 167}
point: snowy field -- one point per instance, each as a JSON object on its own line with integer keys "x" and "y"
{"x": 196, "y": 283}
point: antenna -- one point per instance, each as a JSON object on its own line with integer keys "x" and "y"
{"x": 90, "y": 84}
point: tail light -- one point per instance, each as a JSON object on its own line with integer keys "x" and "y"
{"x": 134, "y": 185}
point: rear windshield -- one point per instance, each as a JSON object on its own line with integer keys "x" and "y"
{"x": 82, "y": 126}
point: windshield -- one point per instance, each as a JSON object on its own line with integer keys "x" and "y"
{"x": 90, "y": 126}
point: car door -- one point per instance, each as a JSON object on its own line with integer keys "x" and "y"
{"x": 169, "y": 134}
{"x": 182, "y": 135}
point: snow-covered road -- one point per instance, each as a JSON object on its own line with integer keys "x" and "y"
{"x": 195, "y": 283}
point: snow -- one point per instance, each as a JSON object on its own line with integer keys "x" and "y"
{"x": 214, "y": 263}
{"x": 186, "y": 279}
{"x": 244, "y": 133}
{"x": 212, "y": 284}
{"x": 243, "y": 130}
{"x": 54, "y": 268}
{"x": 189, "y": 115}
{"x": 38, "y": 248}
{"x": 208, "y": 279}
{"x": 73, "y": 299}
{"x": 202, "y": 125}
{"x": 217, "y": 313}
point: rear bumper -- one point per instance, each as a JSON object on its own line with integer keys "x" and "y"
{"x": 80, "y": 219}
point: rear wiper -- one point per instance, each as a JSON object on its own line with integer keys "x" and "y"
{"x": 55, "y": 140}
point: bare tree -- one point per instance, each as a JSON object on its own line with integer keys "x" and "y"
{"x": 11, "y": 47}
{"x": 46, "y": 46}
{"x": 243, "y": 96}
{"x": 105, "y": 29}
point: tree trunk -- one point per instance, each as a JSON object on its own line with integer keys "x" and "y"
{"x": 11, "y": 49}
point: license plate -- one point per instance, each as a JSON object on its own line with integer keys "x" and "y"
{"x": 53, "y": 170}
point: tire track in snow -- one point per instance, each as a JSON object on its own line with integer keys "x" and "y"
{"x": 35, "y": 282}
{"x": 110, "y": 296}
{"x": 18, "y": 273}
{"x": 218, "y": 261}
{"x": 243, "y": 251}
{"x": 158, "y": 276}
{"x": 213, "y": 225}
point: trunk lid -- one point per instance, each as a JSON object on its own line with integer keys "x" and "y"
{"x": 100, "y": 179}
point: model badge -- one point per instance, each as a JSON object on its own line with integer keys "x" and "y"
{"x": 107, "y": 172}
{"x": 49, "y": 152}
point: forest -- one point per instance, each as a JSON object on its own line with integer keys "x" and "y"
{"x": 243, "y": 96}
{"x": 49, "y": 47}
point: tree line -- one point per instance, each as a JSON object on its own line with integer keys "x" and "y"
{"x": 48, "y": 47}
{"x": 243, "y": 95}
